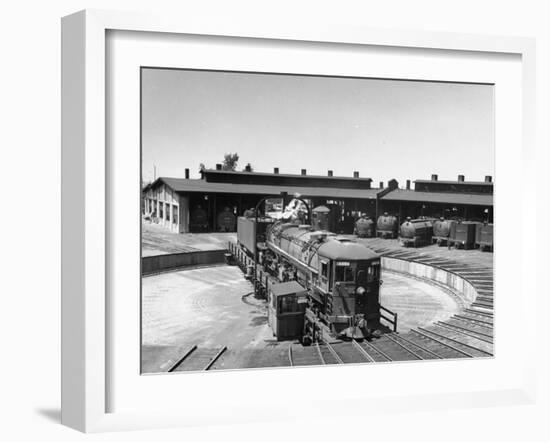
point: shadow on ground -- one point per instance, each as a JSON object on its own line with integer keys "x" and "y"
{"x": 51, "y": 414}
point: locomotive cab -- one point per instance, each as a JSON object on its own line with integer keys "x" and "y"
{"x": 356, "y": 286}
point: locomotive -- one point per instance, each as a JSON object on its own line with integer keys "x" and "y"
{"x": 416, "y": 232}
{"x": 441, "y": 231}
{"x": 386, "y": 226}
{"x": 226, "y": 221}
{"x": 340, "y": 276}
{"x": 364, "y": 227}
{"x": 199, "y": 220}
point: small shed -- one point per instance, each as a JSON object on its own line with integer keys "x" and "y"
{"x": 287, "y": 306}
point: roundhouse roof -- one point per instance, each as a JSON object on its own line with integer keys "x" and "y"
{"x": 440, "y": 197}
{"x": 202, "y": 186}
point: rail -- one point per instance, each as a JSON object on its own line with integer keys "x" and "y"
{"x": 334, "y": 354}
{"x": 215, "y": 358}
{"x": 455, "y": 341}
{"x": 420, "y": 331}
{"x": 194, "y": 355}
{"x": 362, "y": 351}
{"x": 393, "y": 321}
{"x": 320, "y": 354}
{"x": 180, "y": 360}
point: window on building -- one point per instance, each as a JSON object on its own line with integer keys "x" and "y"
{"x": 161, "y": 210}
{"x": 288, "y": 304}
{"x": 175, "y": 214}
{"x": 167, "y": 212}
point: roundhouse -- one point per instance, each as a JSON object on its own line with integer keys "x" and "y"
{"x": 194, "y": 205}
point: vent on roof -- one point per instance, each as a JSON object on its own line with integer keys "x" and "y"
{"x": 186, "y": 174}
{"x": 356, "y": 174}
{"x": 381, "y": 184}
{"x": 275, "y": 170}
{"x": 304, "y": 171}
{"x": 488, "y": 179}
{"x": 218, "y": 166}
{"x": 434, "y": 177}
{"x": 408, "y": 184}
{"x": 330, "y": 173}
{"x": 460, "y": 178}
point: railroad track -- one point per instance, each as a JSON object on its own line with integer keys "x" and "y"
{"x": 198, "y": 359}
{"x": 451, "y": 339}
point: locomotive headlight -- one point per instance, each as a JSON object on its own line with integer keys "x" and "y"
{"x": 360, "y": 291}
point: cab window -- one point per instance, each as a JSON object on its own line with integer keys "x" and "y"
{"x": 343, "y": 273}
{"x": 324, "y": 269}
{"x": 372, "y": 273}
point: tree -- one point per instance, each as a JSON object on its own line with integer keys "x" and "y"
{"x": 230, "y": 161}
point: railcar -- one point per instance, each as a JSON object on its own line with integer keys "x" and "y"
{"x": 484, "y": 236}
{"x": 386, "y": 226}
{"x": 463, "y": 235}
{"x": 416, "y": 232}
{"x": 251, "y": 232}
{"x": 364, "y": 227}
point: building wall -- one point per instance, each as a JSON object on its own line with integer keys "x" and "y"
{"x": 162, "y": 206}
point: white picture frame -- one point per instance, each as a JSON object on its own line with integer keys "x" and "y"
{"x": 85, "y": 198}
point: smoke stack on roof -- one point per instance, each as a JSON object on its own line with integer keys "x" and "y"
{"x": 408, "y": 184}
{"x": 488, "y": 179}
{"x": 460, "y": 178}
{"x": 275, "y": 170}
{"x": 330, "y": 173}
{"x": 381, "y": 184}
{"x": 186, "y": 174}
{"x": 304, "y": 171}
{"x": 356, "y": 174}
{"x": 434, "y": 177}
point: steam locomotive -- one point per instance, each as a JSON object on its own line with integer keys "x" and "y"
{"x": 340, "y": 276}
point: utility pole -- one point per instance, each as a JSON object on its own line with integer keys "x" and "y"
{"x": 154, "y": 172}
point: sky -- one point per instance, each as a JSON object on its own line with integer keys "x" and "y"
{"x": 382, "y": 128}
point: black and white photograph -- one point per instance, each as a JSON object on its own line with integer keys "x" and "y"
{"x": 298, "y": 220}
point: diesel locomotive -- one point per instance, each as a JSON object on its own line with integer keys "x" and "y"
{"x": 341, "y": 277}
